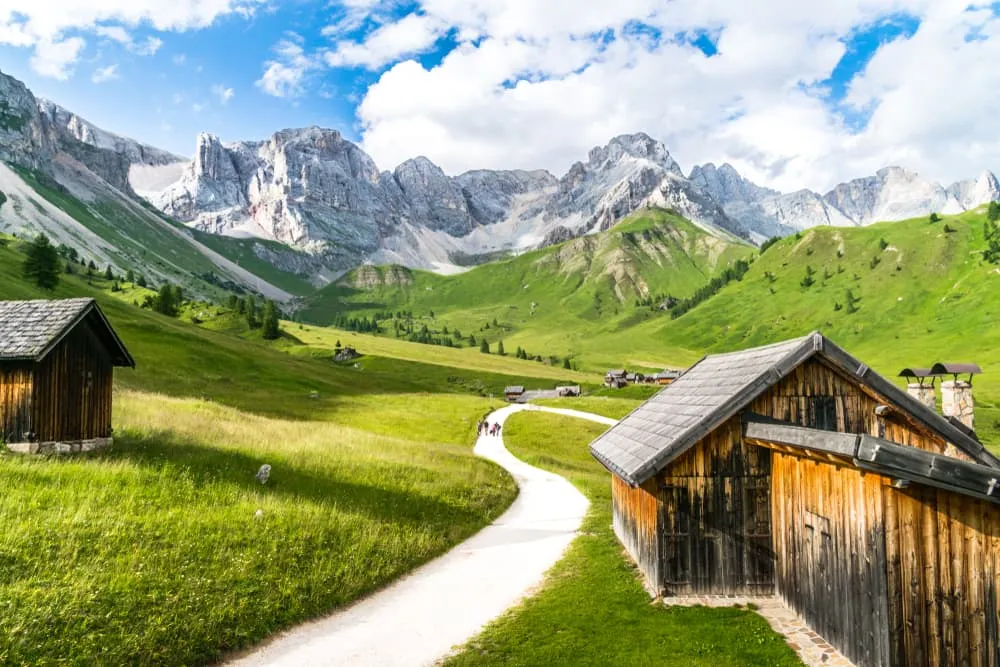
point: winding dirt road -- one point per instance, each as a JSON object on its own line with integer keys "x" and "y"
{"x": 418, "y": 619}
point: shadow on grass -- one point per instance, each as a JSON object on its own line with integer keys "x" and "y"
{"x": 210, "y": 465}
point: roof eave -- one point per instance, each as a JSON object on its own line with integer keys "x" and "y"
{"x": 812, "y": 344}
{"x": 929, "y": 418}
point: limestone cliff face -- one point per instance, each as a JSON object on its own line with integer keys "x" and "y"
{"x": 26, "y": 138}
{"x": 108, "y": 155}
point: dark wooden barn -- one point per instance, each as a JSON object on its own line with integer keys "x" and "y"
{"x": 795, "y": 470}
{"x": 57, "y": 360}
{"x": 513, "y": 393}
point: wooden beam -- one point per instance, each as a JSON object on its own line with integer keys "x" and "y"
{"x": 830, "y": 442}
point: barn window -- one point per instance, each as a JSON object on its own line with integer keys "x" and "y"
{"x": 822, "y": 413}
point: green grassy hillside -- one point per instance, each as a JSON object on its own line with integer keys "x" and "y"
{"x": 554, "y": 301}
{"x": 920, "y": 292}
{"x": 372, "y": 475}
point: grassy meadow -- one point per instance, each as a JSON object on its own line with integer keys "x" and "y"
{"x": 592, "y": 609}
{"x": 154, "y": 553}
{"x": 166, "y": 550}
{"x": 573, "y": 299}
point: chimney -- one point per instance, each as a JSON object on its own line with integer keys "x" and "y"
{"x": 956, "y": 401}
{"x": 956, "y": 395}
{"x": 923, "y": 393}
{"x": 918, "y": 386}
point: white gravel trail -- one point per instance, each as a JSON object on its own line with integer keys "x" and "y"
{"x": 419, "y": 619}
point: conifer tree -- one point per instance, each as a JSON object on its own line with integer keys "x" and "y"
{"x": 41, "y": 266}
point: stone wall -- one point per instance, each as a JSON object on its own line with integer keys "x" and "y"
{"x": 71, "y": 447}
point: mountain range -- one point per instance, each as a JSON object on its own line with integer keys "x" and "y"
{"x": 330, "y": 207}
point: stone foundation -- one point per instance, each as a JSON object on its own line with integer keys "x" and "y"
{"x": 68, "y": 447}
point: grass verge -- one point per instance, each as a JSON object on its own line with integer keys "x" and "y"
{"x": 592, "y": 609}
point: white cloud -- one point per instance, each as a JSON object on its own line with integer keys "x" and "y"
{"x": 56, "y": 59}
{"x": 410, "y": 35}
{"x": 285, "y": 75}
{"x": 44, "y": 25}
{"x": 223, "y": 93}
{"x": 532, "y": 86}
{"x": 197, "y": 108}
{"x": 178, "y": 98}
{"x": 179, "y": 59}
{"x": 104, "y": 74}
{"x": 148, "y": 47}
{"x": 114, "y": 32}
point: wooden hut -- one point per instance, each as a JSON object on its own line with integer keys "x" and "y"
{"x": 56, "y": 365}
{"x": 513, "y": 393}
{"x": 795, "y": 470}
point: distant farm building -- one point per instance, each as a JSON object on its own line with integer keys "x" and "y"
{"x": 57, "y": 361}
{"x": 664, "y": 377}
{"x": 615, "y": 378}
{"x": 568, "y": 390}
{"x": 513, "y": 393}
{"x": 795, "y": 470}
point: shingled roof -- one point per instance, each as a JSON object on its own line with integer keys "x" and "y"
{"x": 29, "y": 330}
{"x": 720, "y": 385}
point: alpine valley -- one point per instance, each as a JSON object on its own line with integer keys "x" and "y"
{"x": 297, "y": 210}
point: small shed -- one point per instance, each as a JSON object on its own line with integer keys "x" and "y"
{"x": 568, "y": 390}
{"x": 57, "y": 360}
{"x": 513, "y": 393}
{"x": 795, "y": 470}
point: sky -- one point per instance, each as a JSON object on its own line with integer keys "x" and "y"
{"x": 792, "y": 93}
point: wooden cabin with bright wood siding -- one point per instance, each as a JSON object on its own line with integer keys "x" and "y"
{"x": 57, "y": 360}
{"x": 795, "y": 470}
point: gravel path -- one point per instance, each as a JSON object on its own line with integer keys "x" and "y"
{"x": 420, "y": 618}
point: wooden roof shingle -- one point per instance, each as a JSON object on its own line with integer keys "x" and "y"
{"x": 719, "y": 386}
{"x": 30, "y": 329}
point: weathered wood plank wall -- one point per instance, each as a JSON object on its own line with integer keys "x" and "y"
{"x": 715, "y": 518}
{"x": 15, "y": 401}
{"x": 943, "y": 571}
{"x": 72, "y": 389}
{"x": 636, "y": 525}
{"x": 830, "y": 547}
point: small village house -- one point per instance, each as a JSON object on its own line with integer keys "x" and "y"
{"x": 615, "y": 378}
{"x": 513, "y": 393}
{"x": 57, "y": 360}
{"x": 794, "y": 470}
{"x": 565, "y": 391}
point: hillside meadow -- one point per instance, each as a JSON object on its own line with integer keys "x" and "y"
{"x": 166, "y": 550}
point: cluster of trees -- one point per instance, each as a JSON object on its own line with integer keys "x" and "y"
{"x": 359, "y": 324}
{"x": 991, "y": 232}
{"x": 734, "y": 272}
{"x": 265, "y": 317}
{"x": 768, "y": 243}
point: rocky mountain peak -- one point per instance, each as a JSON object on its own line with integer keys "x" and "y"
{"x": 726, "y": 185}
{"x": 71, "y": 125}
{"x": 638, "y": 146}
{"x": 26, "y": 138}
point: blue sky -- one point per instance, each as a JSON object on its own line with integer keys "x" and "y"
{"x": 792, "y": 96}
